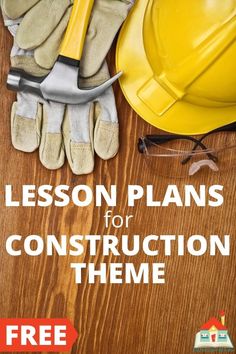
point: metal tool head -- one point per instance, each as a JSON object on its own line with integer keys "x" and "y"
{"x": 61, "y": 85}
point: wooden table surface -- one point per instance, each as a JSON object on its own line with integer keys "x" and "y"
{"x": 114, "y": 319}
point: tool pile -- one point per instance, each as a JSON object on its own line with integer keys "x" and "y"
{"x": 178, "y": 61}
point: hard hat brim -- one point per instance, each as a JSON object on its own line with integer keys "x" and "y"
{"x": 182, "y": 117}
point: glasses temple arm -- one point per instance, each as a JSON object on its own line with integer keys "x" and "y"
{"x": 161, "y": 139}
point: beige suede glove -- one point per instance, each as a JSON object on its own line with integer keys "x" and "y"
{"x": 72, "y": 131}
{"x": 47, "y": 21}
{"x": 60, "y": 131}
{"x": 41, "y": 28}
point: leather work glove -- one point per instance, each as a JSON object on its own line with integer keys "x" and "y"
{"x": 75, "y": 131}
{"x": 72, "y": 131}
{"x": 47, "y": 21}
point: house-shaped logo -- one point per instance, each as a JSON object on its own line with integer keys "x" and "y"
{"x": 213, "y": 336}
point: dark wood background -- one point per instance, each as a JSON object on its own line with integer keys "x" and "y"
{"x": 114, "y": 319}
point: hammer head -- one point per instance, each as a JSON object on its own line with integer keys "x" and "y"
{"x": 61, "y": 85}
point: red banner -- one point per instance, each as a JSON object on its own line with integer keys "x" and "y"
{"x": 36, "y": 335}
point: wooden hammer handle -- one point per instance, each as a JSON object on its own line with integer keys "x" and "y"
{"x": 73, "y": 42}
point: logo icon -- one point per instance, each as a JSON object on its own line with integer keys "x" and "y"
{"x": 213, "y": 336}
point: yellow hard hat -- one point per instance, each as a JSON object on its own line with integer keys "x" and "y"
{"x": 179, "y": 63}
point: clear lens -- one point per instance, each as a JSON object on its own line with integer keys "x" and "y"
{"x": 182, "y": 157}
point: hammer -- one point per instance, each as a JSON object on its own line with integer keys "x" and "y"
{"x": 62, "y": 83}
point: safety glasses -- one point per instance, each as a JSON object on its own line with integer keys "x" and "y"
{"x": 181, "y": 156}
